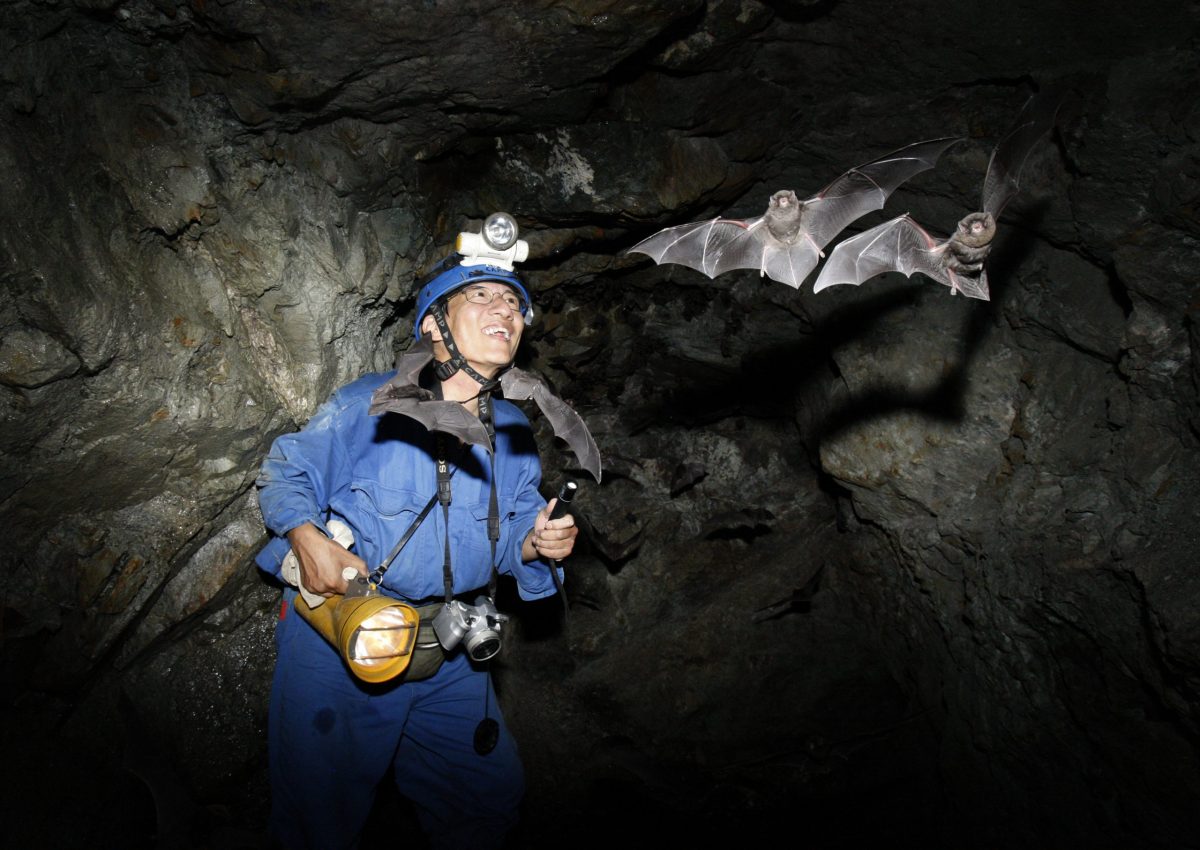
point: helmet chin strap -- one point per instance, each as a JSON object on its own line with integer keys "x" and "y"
{"x": 456, "y": 362}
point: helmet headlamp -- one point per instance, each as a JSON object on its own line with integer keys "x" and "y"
{"x": 495, "y": 245}
{"x": 500, "y": 231}
{"x": 487, "y": 255}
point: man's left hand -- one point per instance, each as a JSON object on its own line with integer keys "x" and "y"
{"x": 550, "y": 538}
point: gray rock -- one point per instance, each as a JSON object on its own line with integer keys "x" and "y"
{"x": 882, "y": 562}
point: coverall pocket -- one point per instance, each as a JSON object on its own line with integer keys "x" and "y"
{"x": 388, "y": 501}
{"x": 478, "y": 539}
{"x": 380, "y": 515}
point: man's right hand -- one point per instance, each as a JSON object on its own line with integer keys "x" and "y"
{"x": 322, "y": 560}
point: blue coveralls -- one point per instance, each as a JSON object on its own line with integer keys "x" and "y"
{"x": 331, "y": 739}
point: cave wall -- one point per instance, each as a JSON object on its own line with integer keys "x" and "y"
{"x": 903, "y": 563}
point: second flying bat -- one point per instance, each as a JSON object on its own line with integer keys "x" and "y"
{"x": 902, "y": 245}
{"x": 786, "y": 242}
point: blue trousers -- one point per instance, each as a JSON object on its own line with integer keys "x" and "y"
{"x": 331, "y": 741}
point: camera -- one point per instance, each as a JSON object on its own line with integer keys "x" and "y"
{"x": 475, "y": 626}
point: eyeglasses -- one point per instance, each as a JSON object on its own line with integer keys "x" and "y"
{"x": 483, "y": 295}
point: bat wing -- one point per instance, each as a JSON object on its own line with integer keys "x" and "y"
{"x": 448, "y": 417}
{"x": 724, "y": 244}
{"x": 411, "y": 362}
{"x": 900, "y": 245}
{"x": 567, "y": 424}
{"x": 404, "y": 395}
{"x": 972, "y": 287}
{"x": 712, "y": 247}
{"x": 1003, "y": 179}
{"x": 865, "y": 188}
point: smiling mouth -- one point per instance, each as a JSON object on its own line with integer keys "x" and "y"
{"x": 497, "y": 331}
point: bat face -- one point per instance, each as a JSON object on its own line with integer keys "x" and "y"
{"x": 976, "y": 229}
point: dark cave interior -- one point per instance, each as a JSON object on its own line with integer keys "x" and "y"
{"x": 874, "y": 564}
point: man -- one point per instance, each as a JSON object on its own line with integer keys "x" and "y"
{"x": 332, "y": 738}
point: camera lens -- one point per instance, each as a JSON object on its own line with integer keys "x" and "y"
{"x": 484, "y": 647}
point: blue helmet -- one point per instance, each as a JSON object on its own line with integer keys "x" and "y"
{"x": 451, "y": 275}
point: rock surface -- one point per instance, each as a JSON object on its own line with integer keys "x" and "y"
{"x": 875, "y": 564}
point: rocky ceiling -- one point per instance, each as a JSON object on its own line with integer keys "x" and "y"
{"x": 871, "y": 564}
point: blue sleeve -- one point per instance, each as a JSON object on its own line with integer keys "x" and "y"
{"x": 300, "y": 475}
{"x": 533, "y": 578}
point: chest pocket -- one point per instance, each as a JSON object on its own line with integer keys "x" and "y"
{"x": 476, "y": 538}
{"x": 380, "y": 515}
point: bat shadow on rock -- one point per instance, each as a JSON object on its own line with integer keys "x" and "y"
{"x": 761, "y": 384}
{"x": 944, "y": 401}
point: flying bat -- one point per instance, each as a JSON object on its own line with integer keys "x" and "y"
{"x": 404, "y": 394}
{"x": 904, "y": 246}
{"x": 785, "y": 243}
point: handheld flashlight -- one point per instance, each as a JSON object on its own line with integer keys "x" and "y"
{"x": 374, "y": 634}
{"x": 565, "y": 495}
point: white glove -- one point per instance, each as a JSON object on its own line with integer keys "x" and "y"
{"x": 342, "y": 535}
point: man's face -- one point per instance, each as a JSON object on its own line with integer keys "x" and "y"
{"x": 487, "y": 335}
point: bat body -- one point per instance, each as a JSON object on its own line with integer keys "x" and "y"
{"x": 903, "y": 245}
{"x": 403, "y": 394}
{"x": 786, "y": 242}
